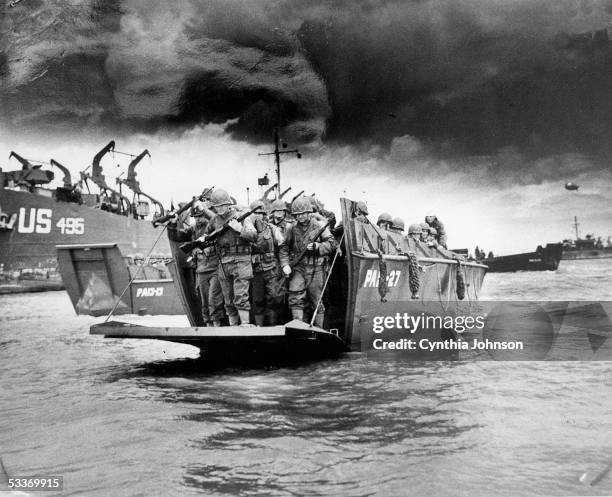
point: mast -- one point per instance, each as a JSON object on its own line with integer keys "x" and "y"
{"x": 277, "y": 153}
{"x": 576, "y": 226}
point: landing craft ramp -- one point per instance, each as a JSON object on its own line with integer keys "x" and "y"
{"x": 289, "y": 340}
{"x": 98, "y": 278}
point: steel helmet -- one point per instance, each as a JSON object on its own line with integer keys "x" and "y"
{"x": 430, "y": 216}
{"x": 414, "y": 229}
{"x": 257, "y": 206}
{"x": 425, "y": 227}
{"x": 317, "y": 205}
{"x": 384, "y": 218}
{"x": 398, "y": 223}
{"x": 220, "y": 197}
{"x": 361, "y": 207}
{"x": 300, "y": 206}
{"x": 209, "y": 193}
{"x": 433, "y": 231}
{"x": 198, "y": 209}
{"x": 278, "y": 205}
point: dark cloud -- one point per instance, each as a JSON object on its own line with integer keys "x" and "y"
{"x": 524, "y": 83}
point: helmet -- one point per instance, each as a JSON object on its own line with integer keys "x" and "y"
{"x": 398, "y": 223}
{"x": 219, "y": 198}
{"x": 208, "y": 193}
{"x": 300, "y": 206}
{"x": 433, "y": 231}
{"x": 414, "y": 229}
{"x": 278, "y": 205}
{"x": 384, "y": 218}
{"x": 430, "y": 216}
{"x": 257, "y": 206}
{"x": 425, "y": 227}
{"x": 361, "y": 207}
{"x": 317, "y": 205}
{"x": 198, "y": 209}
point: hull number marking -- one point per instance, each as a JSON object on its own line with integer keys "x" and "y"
{"x": 35, "y": 220}
{"x": 371, "y": 278}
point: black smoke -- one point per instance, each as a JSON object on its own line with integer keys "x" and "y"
{"x": 517, "y": 81}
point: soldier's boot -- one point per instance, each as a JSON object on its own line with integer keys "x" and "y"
{"x": 259, "y": 319}
{"x": 216, "y": 323}
{"x": 318, "y": 322}
{"x": 234, "y": 320}
{"x": 297, "y": 314}
{"x": 245, "y": 319}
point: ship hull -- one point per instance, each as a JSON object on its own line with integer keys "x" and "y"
{"x": 27, "y": 250}
{"x": 601, "y": 253}
{"x": 546, "y": 259}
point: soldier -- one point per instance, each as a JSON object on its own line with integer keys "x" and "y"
{"x": 432, "y": 237}
{"x": 384, "y": 221}
{"x": 234, "y": 251}
{"x": 424, "y": 232}
{"x": 434, "y": 222}
{"x": 207, "y": 279}
{"x": 279, "y": 216}
{"x": 265, "y": 252}
{"x": 308, "y": 275}
{"x": 183, "y": 229}
{"x": 318, "y": 208}
{"x": 397, "y": 225}
{"x": 414, "y": 231}
{"x": 361, "y": 212}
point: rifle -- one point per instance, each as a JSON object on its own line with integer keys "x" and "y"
{"x": 303, "y": 253}
{"x": 297, "y": 196}
{"x": 166, "y": 217}
{"x": 211, "y": 237}
{"x": 280, "y": 281}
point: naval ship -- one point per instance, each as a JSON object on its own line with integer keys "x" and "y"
{"x": 586, "y": 248}
{"x": 36, "y": 216}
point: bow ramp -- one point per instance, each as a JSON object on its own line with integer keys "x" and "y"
{"x": 295, "y": 337}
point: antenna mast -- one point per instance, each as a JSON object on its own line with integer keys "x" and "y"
{"x": 277, "y": 153}
{"x": 576, "y": 226}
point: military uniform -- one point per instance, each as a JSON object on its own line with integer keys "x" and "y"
{"x": 265, "y": 254}
{"x": 308, "y": 277}
{"x": 207, "y": 278}
{"x": 234, "y": 269}
{"x": 284, "y": 223}
{"x": 435, "y": 223}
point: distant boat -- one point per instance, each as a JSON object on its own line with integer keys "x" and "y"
{"x": 543, "y": 259}
{"x": 586, "y": 248}
{"x": 571, "y": 186}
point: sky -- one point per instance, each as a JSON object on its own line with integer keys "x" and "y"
{"x": 477, "y": 111}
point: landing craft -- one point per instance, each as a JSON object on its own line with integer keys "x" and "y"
{"x": 571, "y": 186}
{"x": 376, "y": 273}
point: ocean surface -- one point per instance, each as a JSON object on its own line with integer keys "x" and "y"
{"x": 147, "y": 418}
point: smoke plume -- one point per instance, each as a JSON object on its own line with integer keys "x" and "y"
{"x": 518, "y": 89}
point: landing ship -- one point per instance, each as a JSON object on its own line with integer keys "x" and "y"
{"x": 35, "y": 217}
